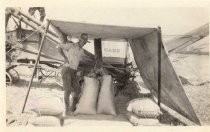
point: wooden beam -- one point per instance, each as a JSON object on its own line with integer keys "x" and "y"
{"x": 98, "y": 52}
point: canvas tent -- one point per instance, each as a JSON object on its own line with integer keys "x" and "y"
{"x": 150, "y": 56}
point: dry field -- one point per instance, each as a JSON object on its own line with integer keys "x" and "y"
{"x": 196, "y": 69}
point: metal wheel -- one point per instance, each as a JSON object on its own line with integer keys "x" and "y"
{"x": 8, "y": 79}
{"x": 14, "y": 74}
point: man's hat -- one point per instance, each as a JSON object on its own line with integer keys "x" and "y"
{"x": 84, "y": 36}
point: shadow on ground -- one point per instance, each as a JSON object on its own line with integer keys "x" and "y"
{"x": 22, "y": 83}
{"x": 167, "y": 118}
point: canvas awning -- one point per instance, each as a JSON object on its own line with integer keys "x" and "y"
{"x": 144, "y": 44}
{"x": 145, "y": 52}
{"x": 101, "y": 31}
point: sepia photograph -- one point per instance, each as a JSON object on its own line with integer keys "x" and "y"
{"x": 106, "y": 66}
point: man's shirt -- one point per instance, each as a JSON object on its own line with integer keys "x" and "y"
{"x": 73, "y": 52}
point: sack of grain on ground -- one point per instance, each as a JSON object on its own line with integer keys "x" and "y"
{"x": 138, "y": 121}
{"x": 145, "y": 108}
{"x": 50, "y": 105}
{"x": 45, "y": 121}
{"x": 106, "y": 104}
{"x": 88, "y": 99}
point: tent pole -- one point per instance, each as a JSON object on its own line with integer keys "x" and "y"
{"x": 98, "y": 52}
{"x": 159, "y": 65}
{"x": 37, "y": 61}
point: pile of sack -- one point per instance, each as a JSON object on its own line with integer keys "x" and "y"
{"x": 48, "y": 110}
{"x": 97, "y": 98}
{"x": 143, "y": 112}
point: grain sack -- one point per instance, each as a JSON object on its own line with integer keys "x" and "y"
{"x": 49, "y": 106}
{"x": 145, "y": 108}
{"x": 106, "y": 103}
{"x": 88, "y": 99}
{"x": 45, "y": 121}
{"x": 137, "y": 121}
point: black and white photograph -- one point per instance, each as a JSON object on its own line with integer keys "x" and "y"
{"x": 68, "y": 66}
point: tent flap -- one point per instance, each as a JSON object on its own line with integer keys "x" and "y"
{"x": 145, "y": 52}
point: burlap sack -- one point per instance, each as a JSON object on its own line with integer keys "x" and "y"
{"x": 49, "y": 106}
{"x": 137, "y": 121}
{"x": 88, "y": 99}
{"x": 45, "y": 121}
{"x": 106, "y": 103}
{"x": 145, "y": 108}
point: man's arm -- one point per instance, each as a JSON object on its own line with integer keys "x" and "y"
{"x": 64, "y": 46}
{"x": 63, "y": 55}
{"x": 60, "y": 48}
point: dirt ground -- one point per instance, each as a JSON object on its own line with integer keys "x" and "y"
{"x": 196, "y": 69}
{"x": 192, "y": 67}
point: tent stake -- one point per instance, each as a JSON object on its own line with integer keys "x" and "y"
{"x": 159, "y": 65}
{"x": 37, "y": 61}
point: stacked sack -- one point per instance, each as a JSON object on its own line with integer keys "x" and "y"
{"x": 97, "y": 99}
{"x": 48, "y": 109}
{"x": 143, "y": 112}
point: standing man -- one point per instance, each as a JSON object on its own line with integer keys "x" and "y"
{"x": 71, "y": 53}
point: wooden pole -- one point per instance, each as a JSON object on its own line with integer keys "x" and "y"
{"x": 37, "y": 61}
{"x": 98, "y": 52}
{"x": 159, "y": 65}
